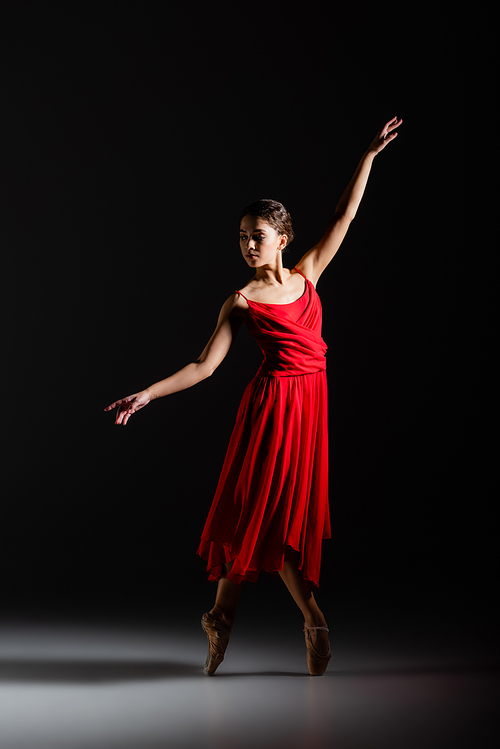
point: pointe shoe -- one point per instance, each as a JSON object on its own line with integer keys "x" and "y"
{"x": 316, "y": 662}
{"x": 218, "y": 637}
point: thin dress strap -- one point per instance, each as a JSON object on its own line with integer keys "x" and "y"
{"x": 298, "y": 271}
{"x": 239, "y": 292}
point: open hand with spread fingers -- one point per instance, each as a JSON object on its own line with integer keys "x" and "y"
{"x": 385, "y": 136}
{"x": 128, "y": 406}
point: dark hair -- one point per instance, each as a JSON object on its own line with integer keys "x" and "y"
{"x": 275, "y": 214}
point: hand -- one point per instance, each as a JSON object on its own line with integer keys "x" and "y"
{"x": 384, "y": 136}
{"x": 128, "y": 406}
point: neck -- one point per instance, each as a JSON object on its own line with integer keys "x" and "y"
{"x": 273, "y": 274}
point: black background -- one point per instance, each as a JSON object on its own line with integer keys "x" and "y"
{"x": 134, "y": 134}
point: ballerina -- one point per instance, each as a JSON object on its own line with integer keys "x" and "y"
{"x": 270, "y": 510}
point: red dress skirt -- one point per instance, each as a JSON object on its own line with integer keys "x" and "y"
{"x": 273, "y": 488}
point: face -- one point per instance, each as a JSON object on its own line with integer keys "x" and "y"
{"x": 260, "y": 243}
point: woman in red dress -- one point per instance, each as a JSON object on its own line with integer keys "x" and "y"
{"x": 270, "y": 510}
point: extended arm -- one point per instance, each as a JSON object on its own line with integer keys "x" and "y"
{"x": 212, "y": 355}
{"x": 314, "y": 262}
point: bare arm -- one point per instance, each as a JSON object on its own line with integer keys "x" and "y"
{"x": 215, "y": 351}
{"x": 314, "y": 262}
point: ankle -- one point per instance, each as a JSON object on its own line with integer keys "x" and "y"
{"x": 223, "y": 616}
{"x": 313, "y": 621}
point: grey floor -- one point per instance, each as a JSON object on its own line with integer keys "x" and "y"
{"x": 110, "y": 686}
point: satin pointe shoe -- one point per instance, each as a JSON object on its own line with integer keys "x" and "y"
{"x": 316, "y": 662}
{"x": 218, "y": 637}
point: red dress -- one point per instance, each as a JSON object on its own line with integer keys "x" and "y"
{"x": 273, "y": 488}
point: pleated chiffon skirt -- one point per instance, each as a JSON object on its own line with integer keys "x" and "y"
{"x": 273, "y": 488}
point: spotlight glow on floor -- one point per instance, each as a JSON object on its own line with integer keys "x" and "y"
{"x": 109, "y": 687}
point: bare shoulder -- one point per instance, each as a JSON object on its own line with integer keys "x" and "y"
{"x": 307, "y": 267}
{"x": 249, "y": 288}
{"x": 234, "y": 306}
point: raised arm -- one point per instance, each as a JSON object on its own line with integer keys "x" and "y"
{"x": 228, "y": 324}
{"x": 314, "y": 262}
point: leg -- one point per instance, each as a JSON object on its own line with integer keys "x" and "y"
{"x": 218, "y": 622}
{"x": 318, "y": 645}
{"x": 301, "y": 591}
{"x": 227, "y": 598}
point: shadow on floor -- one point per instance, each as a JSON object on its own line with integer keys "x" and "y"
{"x": 93, "y": 671}
{"x": 241, "y": 674}
{"x": 102, "y": 671}
{"x": 107, "y": 671}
